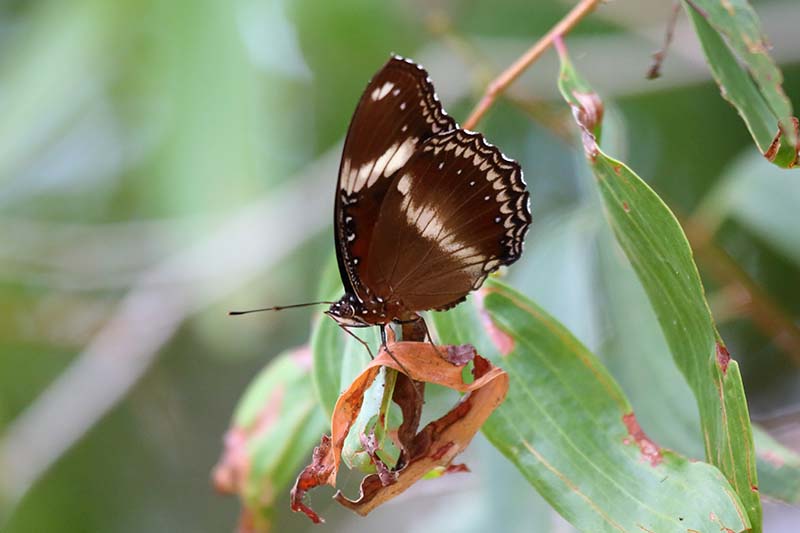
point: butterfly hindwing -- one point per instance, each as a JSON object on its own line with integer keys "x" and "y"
{"x": 454, "y": 213}
{"x": 398, "y": 112}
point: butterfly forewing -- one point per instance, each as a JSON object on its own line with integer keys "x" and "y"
{"x": 455, "y": 212}
{"x": 398, "y": 112}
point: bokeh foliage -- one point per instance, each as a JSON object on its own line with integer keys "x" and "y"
{"x": 132, "y": 130}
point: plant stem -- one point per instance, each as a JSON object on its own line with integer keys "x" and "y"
{"x": 501, "y": 82}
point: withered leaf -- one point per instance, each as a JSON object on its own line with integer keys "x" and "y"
{"x": 434, "y": 447}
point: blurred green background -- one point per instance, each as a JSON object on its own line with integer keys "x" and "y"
{"x": 163, "y": 161}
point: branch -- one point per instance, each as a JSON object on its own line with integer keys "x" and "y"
{"x": 500, "y": 83}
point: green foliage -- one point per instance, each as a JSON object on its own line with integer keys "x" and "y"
{"x": 275, "y": 424}
{"x": 730, "y": 31}
{"x": 132, "y": 131}
{"x": 338, "y": 357}
{"x": 659, "y": 252}
{"x": 568, "y": 427}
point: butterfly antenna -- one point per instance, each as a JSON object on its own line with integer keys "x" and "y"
{"x": 276, "y": 308}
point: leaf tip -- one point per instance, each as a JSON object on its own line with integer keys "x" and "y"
{"x": 772, "y": 152}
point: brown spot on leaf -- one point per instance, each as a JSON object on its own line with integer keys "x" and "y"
{"x": 723, "y": 358}
{"x": 650, "y": 451}
{"x": 501, "y": 340}
{"x": 626, "y": 207}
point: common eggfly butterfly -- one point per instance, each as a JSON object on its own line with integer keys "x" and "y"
{"x": 424, "y": 210}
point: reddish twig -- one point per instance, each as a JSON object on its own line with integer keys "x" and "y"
{"x": 658, "y": 57}
{"x": 500, "y": 83}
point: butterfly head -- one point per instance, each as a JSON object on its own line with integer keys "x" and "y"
{"x": 345, "y": 312}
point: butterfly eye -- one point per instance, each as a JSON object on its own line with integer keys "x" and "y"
{"x": 346, "y": 310}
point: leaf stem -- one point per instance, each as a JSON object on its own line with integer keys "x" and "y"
{"x": 508, "y": 76}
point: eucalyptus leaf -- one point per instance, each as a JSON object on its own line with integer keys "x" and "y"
{"x": 660, "y": 254}
{"x": 569, "y": 429}
{"x": 730, "y": 32}
{"x": 338, "y": 357}
{"x": 275, "y": 426}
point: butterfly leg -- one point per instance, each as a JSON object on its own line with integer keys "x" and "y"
{"x": 401, "y": 365}
{"x": 359, "y": 339}
{"x": 430, "y": 338}
{"x": 419, "y": 319}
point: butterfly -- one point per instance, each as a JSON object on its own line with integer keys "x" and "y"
{"x": 424, "y": 209}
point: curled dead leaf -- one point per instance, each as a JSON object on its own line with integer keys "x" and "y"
{"x": 589, "y": 115}
{"x": 434, "y": 447}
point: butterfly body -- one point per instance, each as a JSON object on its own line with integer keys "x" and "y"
{"x": 424, "y": 210}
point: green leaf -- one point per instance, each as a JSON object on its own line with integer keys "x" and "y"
{"x": 377, "y": 401}
{"x": 569, "y": 429}
{"x": 275, "y": 426}
{"x": 729, "y": 31}
{"x": 778, "y": 468}
{"x": 635, "y": 348}
{"x": 338, "y": 357}
{"x": 659, "y": 252}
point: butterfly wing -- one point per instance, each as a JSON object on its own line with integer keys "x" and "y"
{"x": 455, "y": 212}
{"x": 398, "y": 111}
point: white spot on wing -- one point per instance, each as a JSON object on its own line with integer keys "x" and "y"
{"x": 491, "y": 265}
{"x": 401, "y": 156}
{"x": 403, "y": 184}
{"x": 385, "y": 165}
{"x": 382, "y": 91}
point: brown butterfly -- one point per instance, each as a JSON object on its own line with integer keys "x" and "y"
{"x": 424, "y": 210}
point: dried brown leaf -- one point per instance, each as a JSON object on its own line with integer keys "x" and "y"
{"x": 434, "y": 447}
